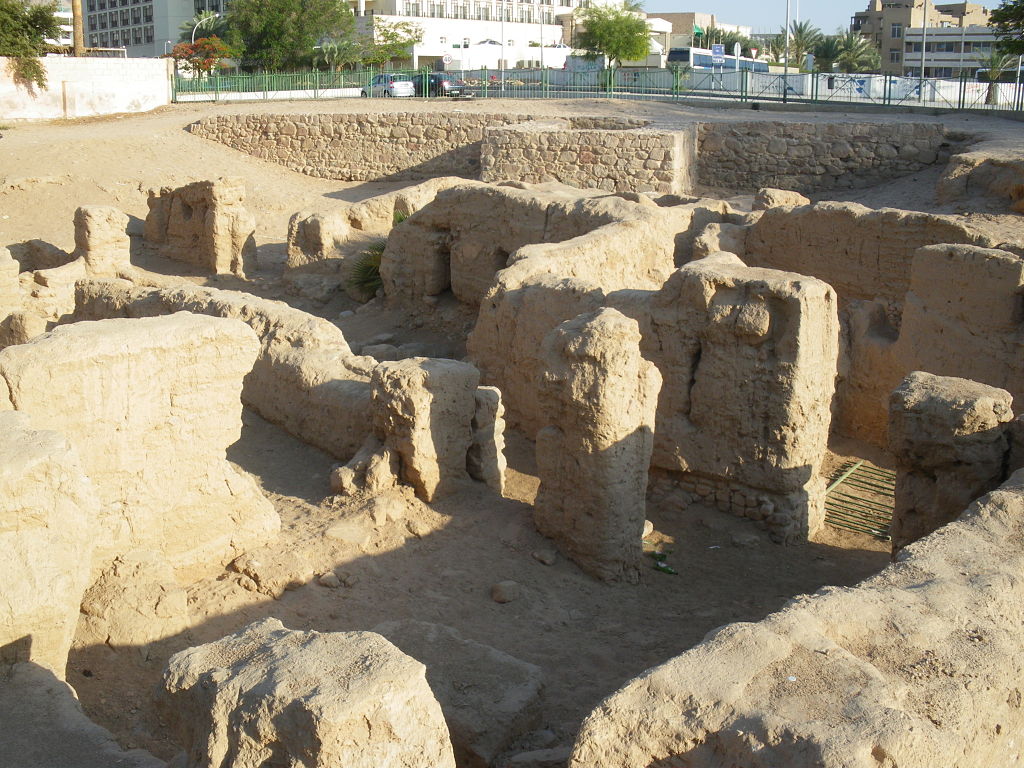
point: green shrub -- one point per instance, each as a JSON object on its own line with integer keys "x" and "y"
{"x": 365, "y": 275}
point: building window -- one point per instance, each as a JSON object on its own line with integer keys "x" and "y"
{"x": 136, "y": 15}
{"x": 897, "y": 31}
{"x": 147, "y": 13}
{"x": 112, "y": 18}
{"x": 93, "y": 41}
{"x": 104, "y": 39}
{"x": 92, "y": 5}
{"x": 125, "y": 18}
{"x": 92, "y": 23}
{"x": 149, "y": 34}
{"x": 913, "y": 47}
{"x": 894, "y": 56}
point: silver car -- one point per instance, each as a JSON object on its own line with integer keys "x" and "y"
{"x": 390, "y": 85}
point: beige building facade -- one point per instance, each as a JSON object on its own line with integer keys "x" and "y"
{"x": 887, "y": 25}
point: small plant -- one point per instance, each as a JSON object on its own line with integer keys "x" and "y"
{"x": 365, "y": 275}
{"x": 398, "y": 217}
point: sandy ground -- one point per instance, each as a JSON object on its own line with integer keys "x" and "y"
{"x": 436, "y": 564}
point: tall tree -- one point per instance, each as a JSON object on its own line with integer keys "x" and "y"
{"x": 24, "y": 29}
{"x": 857, "y": 54}
{"x": 281, "y": 34}
{"x": 1008, "y": 22}
{"x": 204, "y": 24}
{"x": 390, "y": 40}
{"x": 992, "y": 68}
{"x": 803, "y": 37}
{"x": 616, "y": 31}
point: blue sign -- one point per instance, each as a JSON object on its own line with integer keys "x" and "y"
{"x": 717, "y": 54}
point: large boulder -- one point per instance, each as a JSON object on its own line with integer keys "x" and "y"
{"x": 272, "y": 696}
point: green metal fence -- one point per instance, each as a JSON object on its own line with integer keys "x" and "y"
{"x": 660, "y": 84}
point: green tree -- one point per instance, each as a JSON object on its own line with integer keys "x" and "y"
{"x": 827, "y": 52}
{"x": 992, "y": 68}
{"x": 616, "y": 31}
{"x": 857, "y": 54}
{"x": 1008, "y": 23}
{"x": 205, "y": 23}
{"x": 390, "y": 40}
{"x": 281, "y": 34}
{"x": 338, "y": 54}
{"x": 803, "y": 37}
{"x": 23, "y": 32}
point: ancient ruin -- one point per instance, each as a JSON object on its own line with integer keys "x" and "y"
{"x": 520, "y": 441}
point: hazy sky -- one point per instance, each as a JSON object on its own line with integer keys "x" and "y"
{"x": 767, "y": 15}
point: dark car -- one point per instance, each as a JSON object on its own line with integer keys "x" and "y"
{"x": 438, "y": 84}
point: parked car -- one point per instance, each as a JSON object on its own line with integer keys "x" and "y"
{"x": 438, "y": 84}
{"x": 389, "y": 85}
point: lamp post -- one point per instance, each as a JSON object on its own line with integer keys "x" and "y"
{"x": 501, "y": 8}
{"x": 924, "y": 53}
{"x": 200, "y": 23}
{"x": 785, "y": 70}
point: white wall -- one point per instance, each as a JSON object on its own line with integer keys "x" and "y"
{"x": 87, "y": 87}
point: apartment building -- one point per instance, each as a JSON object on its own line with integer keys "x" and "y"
{"x": 886, "y": 24}
{"x": 946, "y": 52}
{"x": 686, "y": 25}
{"x": 141, "y": 27}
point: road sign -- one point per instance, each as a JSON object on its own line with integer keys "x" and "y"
{"x": 717, "y": 54}
{"x": 447, "y": 58}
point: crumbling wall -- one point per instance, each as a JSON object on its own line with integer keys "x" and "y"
{"x": 950, "y": 438}
{"x": 814, "y": 156}
{"x": 268, "y": 695}
{"x": 598, "y": 397}
{"x": 305, "y": 378}
{"x": 204, "y": 224}
{"x": 151, "y": 406}
{"x": 630, "y": 159}
{"x": 48, "y": 513}
{"x": 861, "y": 252}
{"x": 993, "y": 167}
{"x": 918, "y": 667}
{"x": 961, "y": 317}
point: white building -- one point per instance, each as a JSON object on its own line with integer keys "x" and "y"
{"x": 946, "y": 51}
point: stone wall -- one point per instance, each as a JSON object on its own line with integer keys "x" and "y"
{"x": 813, "y": 156}
{"x": 918, "y": 666}
{"x": 637, "y": 160}
{"x": 360, "y": 147}
{"x": 305, "y": 379}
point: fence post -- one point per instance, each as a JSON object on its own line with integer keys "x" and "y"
{"x": 887, "y": 91}
{"x": 744, "y": 84}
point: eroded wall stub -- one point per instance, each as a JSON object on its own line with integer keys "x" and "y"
{"x": 597, "y": 400}
{"x": 950, "y": 439}
{"x": 204, "y": 224}
{"x": 748, "y": 357}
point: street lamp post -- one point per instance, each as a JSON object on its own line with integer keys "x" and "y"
{"x": 924, "y": 53}
{"x": 785, "y": 70}
{"x": 501, "y": 8}
{"x": 200, "y": 23}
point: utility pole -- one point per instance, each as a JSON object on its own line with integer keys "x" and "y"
{"x": 785, "y": 71}
{"x": 924, "y": 52}
{"x": 77, "y": 28}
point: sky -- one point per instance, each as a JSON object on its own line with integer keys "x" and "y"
{"x": 767, "y": 15}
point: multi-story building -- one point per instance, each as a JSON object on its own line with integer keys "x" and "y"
{"x": 886, "y": 25}
{"x": 64, "y": 18}
{"x": 946, "y": 51}
{"x": 141, "y": 27}
{"x": 686, "y": 25}
{"x": 470, "y": 34}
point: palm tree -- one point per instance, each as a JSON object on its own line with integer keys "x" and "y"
{"x": 209, "y": 23}
{"x": 992, "y": 68}
{"x": 803, "y": 37}
{"x": 826, "y": 52}
{"x": 857, "y": 54}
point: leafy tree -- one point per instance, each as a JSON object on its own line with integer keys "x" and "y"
{"x": 616, "y": 31}
{"x": 389, "y": 40}
{"x": 1008, "y": 23}
{"x": 729, "y": 39}
{"x": 826, "y": 52}
{"x": 992, "y": 68}
{"x": 23, "y": 32}
{"x": 202, "y": 56}
{"x": 337, "y": 54}
{"x": 207, "y": 22}
{"x": 281, "y": 34}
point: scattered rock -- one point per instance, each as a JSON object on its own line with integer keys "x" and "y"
{"x": 745, "y": 539}
{"x": 648, "y": 528}
{"x": 506, "y": 591}
{"x": 330, "y": 580}
{"x": 274, "y": 570}
{"x": 381, "y": 352}
{"x": 545, "y": 556}
{"x": 418, "y": 528}
{"x": 354, "y": 531}
{"x": 558, "y": 757}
